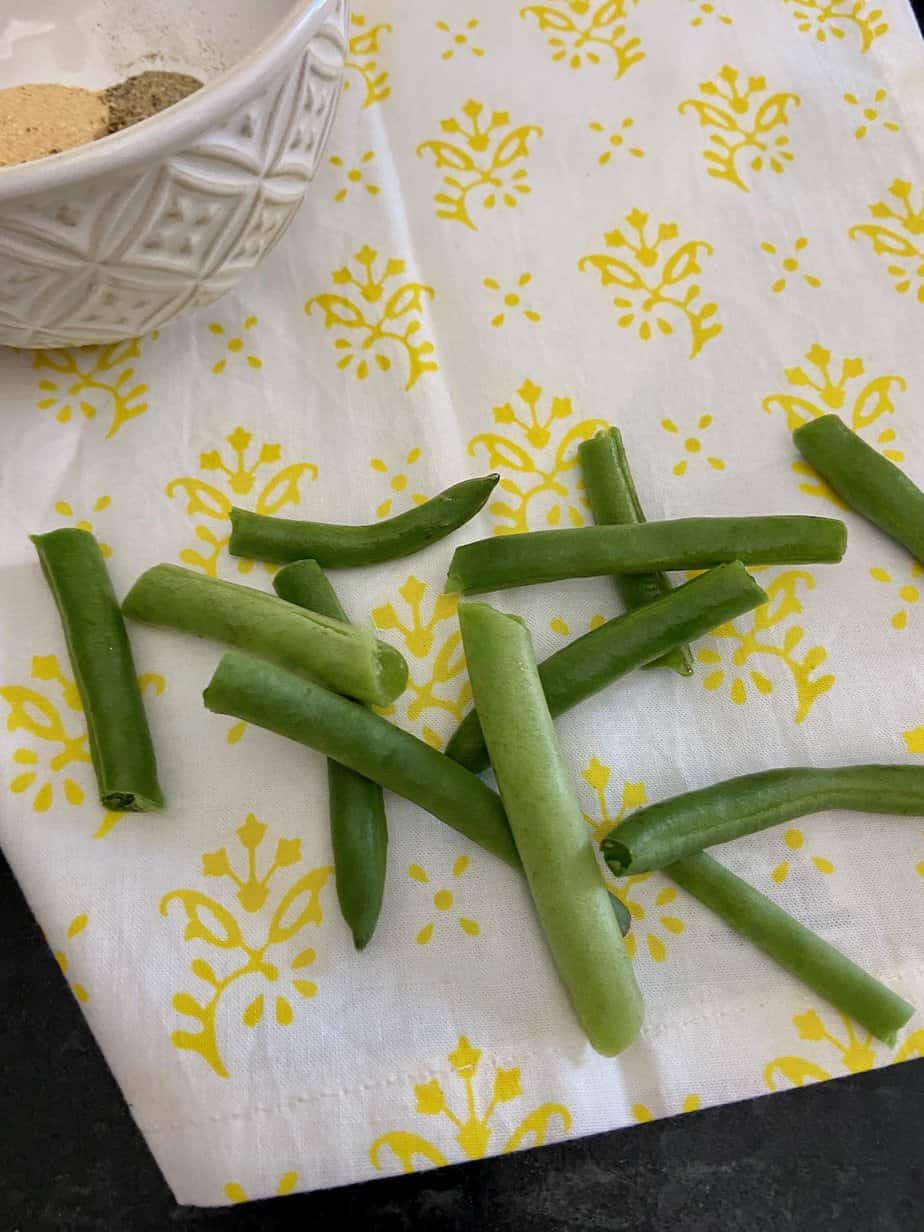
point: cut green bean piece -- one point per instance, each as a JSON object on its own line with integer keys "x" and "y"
{"x": 339, "y": 547}
{"x": 551, "y": 835}
{"x": 614, "y": 501}
{"x": 671, "y": 829}
{"x": 358, "y": 827}
{"x": 120, "y": 741}
{"x": 686, "y": 543}
{"x": 867, "y": 481}
{"x": 626, "y": 642}
{"x": 339, "y": 655}
{"x": 804, "y": 954}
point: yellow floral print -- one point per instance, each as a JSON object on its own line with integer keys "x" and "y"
{"x": 615, "y": 140}
{"x": 442, "y": 685}
{"x": 46, "y": 717}
{"x": 398, "y": 483}
{"x": 560, "y": 626}
{"x": 650, "y": 272}
{"x": 870, "y": 113}
{"x": 898, "y": 236}
{"x": 642, "y": 1113}
{"x": 90, "y": 380}
{"x": 355, "y": 176}
{"x": 235, "y": 1192}
{"x": 237, "y": 472}
{"x": 473, "y": 1133}
{"x": 64, "y": 510}
{"x": 836, "y": 17}
{"x": 759, "y": 640}
{"x": 478, "y": 162}
{"x": 380, "y": 318}
{"x": 706, "y": 11}
{"x": 461, "y": 39}
{"x": 908, "y": 593}
{"x": 362, "y": 59}
{"x": 511, "y": 300}
{"x": 657, "y": 894}
{"x": 794, "y": 840}
{"x": 790, "y": 265}
{"x": 75, "y": 928}
{"x": 211, "y": 922}
{"x": 529, "y": 473}
{"x": 914, "y": 740}
{"x": 693, "y": 445}
{"x": 584, "y": 32}
{"x": 851, "y": 1053}
{"x": 235, "y": 345}
{"x": 443, "y": 901}
{"x": 740, "y": 125}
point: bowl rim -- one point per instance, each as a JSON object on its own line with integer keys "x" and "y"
{"x": 151, "y": 139}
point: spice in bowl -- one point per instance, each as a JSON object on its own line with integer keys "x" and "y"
{"x": 139, "y": 97}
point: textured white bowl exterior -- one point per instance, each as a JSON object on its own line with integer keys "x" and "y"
{"x": 99, "y": 256}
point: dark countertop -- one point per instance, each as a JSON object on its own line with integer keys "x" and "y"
{"x": 841, "y": 1155}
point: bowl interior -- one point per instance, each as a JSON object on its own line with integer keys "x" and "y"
{"x": 93, "y": 43}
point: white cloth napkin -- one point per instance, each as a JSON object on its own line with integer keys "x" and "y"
{"x": 703, "y": 222}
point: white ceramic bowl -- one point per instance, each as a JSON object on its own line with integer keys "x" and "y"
{"x": 116, "y": 238}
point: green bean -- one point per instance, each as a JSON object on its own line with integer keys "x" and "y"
{"x": 101, "y": 657}
{"x": 358, "y": 827}
{"x": 550, "y": 832}
{"x": 867, "y": 481}
{"x": 662, "y": 833}
{"x": 803, "y": 953}
{"x": 591, "y": 662}
{"x": 339, "y": 547}
{"x": 686, "y": 543}
{"x": 341, "y": 656}
{"x": 614, "y": 501}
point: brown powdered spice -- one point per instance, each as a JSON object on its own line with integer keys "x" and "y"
{"x": 138, "y": 97}
{"x": 41, "y": 119}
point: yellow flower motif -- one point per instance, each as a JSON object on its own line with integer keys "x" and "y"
{"x": 461, "y": 40}
{"x": 588, "y": 32}
{"x": 47, "y": 721}
{"x": 870, "y": 114}
{"x": 354, "y": 177}
{"x": 473, "y": 1133}
{"x": 362, "y": 59}
{"x": 235, "y": 1193}
{"x": 511, "y": 299}
{"x": 560, "y": 626}
{"x": 91, "y": 379}
{"x": 76, "y": 926}
{"x": 835, "y": 17}
{"x": 852, "y": 1053}
{"x": 704, "y": 11}
{"x": 693, "y": 445}
{"x": 211, "y": 922}
{"x": 642, "y": 1113}
{"x": 234, "y": 345}
{"x": 657, "y": 894}
{"x": 443, "y": 900}
{"x": 649, "y": 271}
{"x": 741, "y": 123}
{"x": 64, "y": 510}
{"x": 397, "y": 483}
{"x": 908, "y": 593}
{"x": 531, "y": 472}
{"x": 615, "y": 140}
{"x": 386, "y": 318}
{"x": 477, "y": 162}
{"x": 790, "y": 265}
{"x": 795, "y": 841}
{"x": 898, "y": 236}
{"x": 758, "y": 640}
{"x": 442, "y": 685}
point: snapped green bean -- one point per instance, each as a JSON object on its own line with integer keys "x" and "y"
{"x": 867, "y": 481}
{"x": 339, "y": 655}
{"x": 803, "y": 953}
{"x": 686, "y": 543}
{"x": 591, "y": 662}
{"x": 662, "y": 833}
{"x": 358, "y": 827}
{"x": 614, "y": 501}
{"x": 551, "y": 835}
{"x": 339, "y": 547}
{"x": 120, "y": 741}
